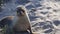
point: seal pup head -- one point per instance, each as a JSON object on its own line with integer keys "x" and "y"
{"x": 21, "y": 11}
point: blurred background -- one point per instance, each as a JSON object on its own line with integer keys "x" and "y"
{"x": 44, "y": 14}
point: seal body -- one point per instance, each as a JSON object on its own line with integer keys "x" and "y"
{"x": 22, "y": 24}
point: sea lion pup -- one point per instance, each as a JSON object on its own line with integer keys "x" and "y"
{"x": 23, "y": 24}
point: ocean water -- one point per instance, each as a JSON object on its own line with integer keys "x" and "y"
{"x": 44, "y": 14}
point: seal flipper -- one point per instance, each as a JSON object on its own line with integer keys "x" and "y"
{"x": 30, "y": 30}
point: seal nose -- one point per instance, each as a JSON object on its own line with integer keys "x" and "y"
{"x": 20, "y": 12}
